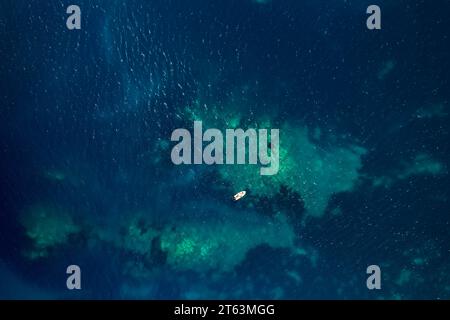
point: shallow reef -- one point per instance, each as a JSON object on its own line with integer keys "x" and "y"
{"x": 47, "y": 227}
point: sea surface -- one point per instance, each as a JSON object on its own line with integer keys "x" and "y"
{"x": 86, "y": 176}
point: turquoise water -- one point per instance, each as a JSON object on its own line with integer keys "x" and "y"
{"x": 86, "y": 176}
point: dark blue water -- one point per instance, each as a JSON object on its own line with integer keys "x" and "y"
{"x": 86, "y": 176}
